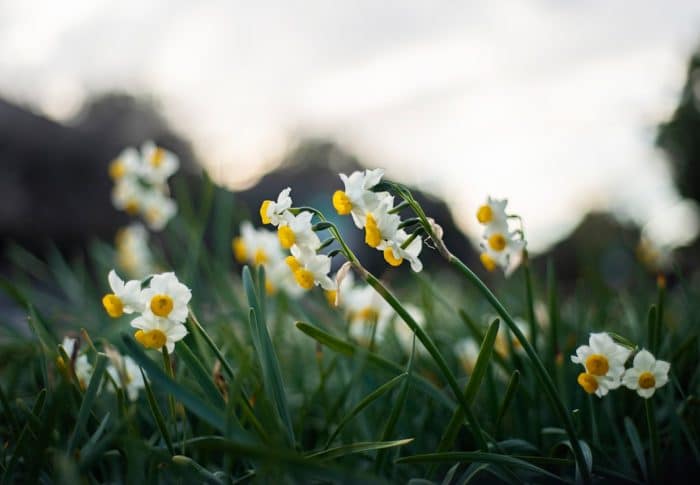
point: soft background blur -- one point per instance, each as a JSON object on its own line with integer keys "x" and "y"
{"x": 559, "y": 106}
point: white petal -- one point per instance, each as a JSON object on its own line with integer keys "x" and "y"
{"x": 644, "y": 360}
{"x": 115, "y": 282}
{"x": 646, "y": 393}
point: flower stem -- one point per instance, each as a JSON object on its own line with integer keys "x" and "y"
{"x": 654, "y": 450}
{"x": 168, "y": 366}
{"x": 432, "y": 350}
{"x": 540, "y": 371}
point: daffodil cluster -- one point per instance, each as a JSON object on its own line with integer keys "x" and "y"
{"x": 375, "y": 213}
{"x": 123, "y": 371}
{"x": 500, "y": 246}
{"x": 370, "y": 317}
{"x": 295, "y": 232}
{"x": 133, "y": 253}
{"x": 140, "y": 183}
{"x": 604, "y": 364}
{"x": 260, "y": 247}
{"x": 161, "y": 305}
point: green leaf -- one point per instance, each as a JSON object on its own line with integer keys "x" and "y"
{"x": 366, "y": 401}
{"x": 359, "y": 447}
{"x": 88, "y": 401}
{"x": 480, "y": 368}
{"x": 349, "y": 349}
{"x": 159, "y": 378}
{"x": 157, "y": 414}
{"x": 265, "y": 352}
{"x": 507, "y": 398}
{"x": 200, "y": 374}
{"x": 477, "y": 457}
{"x": 637, "y": 447}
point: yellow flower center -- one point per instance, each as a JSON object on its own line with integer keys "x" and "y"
{"x": 391, "y": 259}
{"x": 293, "y": 263}
{"x": 131, "y": 207}
{"x": 372, "y": 235}
{"x": 113, "y": 305}
{"x": 342, "y": 203}
{"x": 263, "y": 211}
{"x": 286, "y": 236}
{"x": 117, "y": 169}
{"x": 260, "y": 257}
{"x": 368, "y": 314}
{"x": 587, "y": 382}
{"x": 647, "y": 380}
{"x": 597, "y": 364}
{"x": 304, "y": 278}
{"x": 269, "y": 288}
{"x": 497, "y": 242}
{"x": 161, "y": 305}
{"x": 240, "y": 252}
{"x": 151, "y": 339}
{"x": 152, "y": 215}
{"x": 157, "y": 157}
{"x": 485, "y": 214}
{"x": 487, "y": 261}
{"x": 331, "y": 296}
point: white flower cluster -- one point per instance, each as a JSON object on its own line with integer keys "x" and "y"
{"x": 140, "y": 183}
{"x": 500, "y": 246}
{"x": 133, "y": 253}
{"x": 295, "y": 233}
{"x": 373, "y": 212}
{"x": 604, "y": 363}
{"x": 260, "y": 247}
{"x": 125, "y": 373}
{"x": 162, "y": 306}
{"x": 368, "y": 313}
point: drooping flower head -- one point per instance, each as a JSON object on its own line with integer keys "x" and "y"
{"x": 271, "y": 212}
{"x": 357, "y": 199}
{"x": 395, "y": 252}
{"x": 493, "y": 212}
{"x": 125, "y": 297}
{"x": 126, "y": 374}
{"x": 133, "y": 253}
{"x": 297, "y": 229}
{"x": 604, "y": 364}
{"x": 154, "y": 332}
{"x": 157, "y": 163}
{"x": 310, "y": 268}
{"x": 647, "y": 374}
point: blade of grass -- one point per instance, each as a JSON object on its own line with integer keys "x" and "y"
{"x": 337, "y": 452}
{"x": 637, "y": 447}
{"x": 507, "y": 399}
{"x": 88, "y": 401}
{"x": 349, "y": 349}
{"x": 157, "y": 414}
{"x": 366, "y": 401}
{"x": 265, "y": 352}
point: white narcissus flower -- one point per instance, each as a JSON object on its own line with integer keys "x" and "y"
{"x": 154, "y": 332}
{"x": 125, "y": 297}
{"x": 157, "y": 163}
{"x": 297, "y": 230}
{"x": 493, "y": 213}
{"x": 68, "y": 345}
{"x": 358, "y": 198}
{"x": 128, "y": 195}
{"x": 272, "y": 212}
{"x": 166, "y": 298}
{"x": 380, "y": 225}
{"x": 646, "y": 374}
{"x": 310, "y": 269}
{"x": 157, "y": 209}
{"x": 127, "y": 375}
{"x": 501, "y": 248}
{"x": 133, "y": 253}
{"x": 467, "y": 351}
{"x": 127, "y": 164}
{"x": 404, "y": 333}
{"x": 394, "y": 253}
{"x": 83, "y": 370}
{"x": 604, "y": 363}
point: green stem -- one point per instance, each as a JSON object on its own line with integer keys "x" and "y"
{"x": 168, "y": 366}
{"x": 654, "y": 450}
{"x": 432, "y": 350}
{"x": 529, "y": 293}
{"x": 540, "y": 371}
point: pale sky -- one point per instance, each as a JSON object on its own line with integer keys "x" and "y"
{"x": 552, "y": 104}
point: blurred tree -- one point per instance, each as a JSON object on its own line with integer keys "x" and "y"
{"x": 680, "y": 136}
